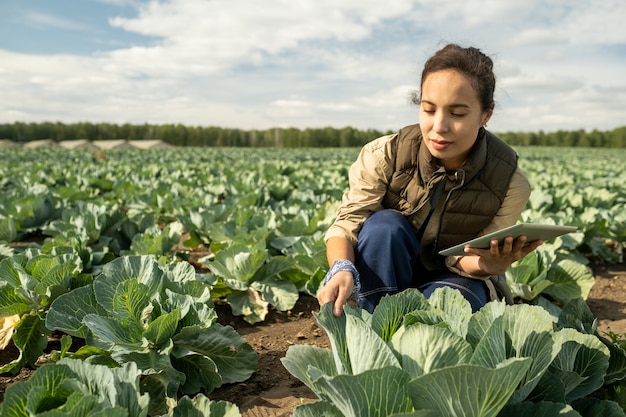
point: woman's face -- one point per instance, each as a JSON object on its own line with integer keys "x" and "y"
{"x": 450, "y": 116}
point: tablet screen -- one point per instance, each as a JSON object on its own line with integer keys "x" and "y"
{"x": 533, "y": 231}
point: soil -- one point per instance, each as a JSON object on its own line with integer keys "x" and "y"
{"x": 273, "y": 392}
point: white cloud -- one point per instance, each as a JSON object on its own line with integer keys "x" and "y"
{"x": 252, "y": 64}
{"x": 538, "y": 37}
{"x": 596, "y": 22}
{"x": 209, "y": 36}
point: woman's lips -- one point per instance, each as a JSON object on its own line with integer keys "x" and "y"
{"x": 440, "y": 144}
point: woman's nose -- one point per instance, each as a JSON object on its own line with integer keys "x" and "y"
{"x": 440, "y": 122}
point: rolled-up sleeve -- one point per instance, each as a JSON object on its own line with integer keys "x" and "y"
{"x": 368, "y": 178}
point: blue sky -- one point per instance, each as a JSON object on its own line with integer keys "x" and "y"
{"x": 249, "y": 64}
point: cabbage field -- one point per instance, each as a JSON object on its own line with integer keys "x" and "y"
{"x": 123, "y": 254}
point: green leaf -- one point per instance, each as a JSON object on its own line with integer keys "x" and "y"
{"x": 201, "y": 406}
{"x": 389, "y": 313}
{"x": 491, "y": 348}
{"x": 468, "y": 390}
{"x": 233, "y": 356}
{"x": 570, "y": 280}
{"x": 481, "y": 322}
{"x": 551, "y": 387}
{"x": 156, "y": 385}
{"x": 110, "y": 331}
{"x": 58, "y": 276}
{"x": 300, "y": 358}
{"x": 527, "y": 277}
{"x": 433, "y": 317}
{"x": 316, "y": 409}
{"x": 456, "y": 309}
{"x": 443, "y": 349}
{"x": 17, "y": 294}
{"x": 201, "y": 373}
{"x": 335, "y": 327}
{"x": 374, "y": 393}
{"x": 131, "y": 304}
{"x": 279, "y": 292}
{"x": 585, "y": 358}
{"x": 45, "y": 382}
{"x": 617, "y": 363}
{"x": 117, "y": 386}
{"x": 539, "y": 409}
{"x": 143, "y": 269}
{"x": 179, "y": 272}
{"x": 151, "y": 362}
{"x": 66, "y": 313}
{"x": 577, "y": 315}
{"x": 12, "y": 302}
{"x": 76, "y": 388}
{"x": 248, "y": 304}
{"x": 530, "y": 331}
{"x": 591, "y": 407}
{"x": 8, "y": 232}
{"x": 154, "y": 241}
{"x": 274, "y": 266}
{"x": 366, "y": 349}
{"x": 162, "y": 328}
{"x": 238, "y": 263}
{"x": 31, "y": 338}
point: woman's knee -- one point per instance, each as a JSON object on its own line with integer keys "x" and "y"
{"x": 388, "y": 232}
{"x": 386, "y": 221}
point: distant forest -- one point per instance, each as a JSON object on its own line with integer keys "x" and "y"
{"x": 182, "y": 135}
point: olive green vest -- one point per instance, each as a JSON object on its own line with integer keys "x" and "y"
{"x": 471, "y": 197}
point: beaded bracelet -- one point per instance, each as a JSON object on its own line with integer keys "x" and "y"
{"x": 344, "y": 265}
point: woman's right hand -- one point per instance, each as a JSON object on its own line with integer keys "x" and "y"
{"x": 337, "y": 290}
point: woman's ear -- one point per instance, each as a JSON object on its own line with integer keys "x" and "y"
{"x": 487, "y": 115}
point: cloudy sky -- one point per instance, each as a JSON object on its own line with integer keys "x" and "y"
{"x": 561, "y": 64}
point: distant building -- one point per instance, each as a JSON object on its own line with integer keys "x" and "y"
{"x": 8, "y": 143}
{"x": 112, "y": 144}
{"x": 42, "y": 143}
{"x": 104, "y": 144}
{"x": 149, "y": 144}
{"x": 76, "y": 144}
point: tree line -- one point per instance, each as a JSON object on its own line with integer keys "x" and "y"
{"x": 182, "y": 135}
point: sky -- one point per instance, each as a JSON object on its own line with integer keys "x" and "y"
{"x": 258, "y": 64}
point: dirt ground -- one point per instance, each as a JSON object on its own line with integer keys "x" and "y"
{"x": 274, "y": 392}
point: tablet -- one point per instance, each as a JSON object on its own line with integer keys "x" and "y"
{"x": 533, "y": 231}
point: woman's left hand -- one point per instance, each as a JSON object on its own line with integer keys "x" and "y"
{"x": 498, "y": 258}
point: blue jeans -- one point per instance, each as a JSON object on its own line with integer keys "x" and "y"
{"x": 387, "y": 258}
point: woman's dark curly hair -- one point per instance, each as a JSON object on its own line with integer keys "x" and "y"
{"x": 477, "y": 66}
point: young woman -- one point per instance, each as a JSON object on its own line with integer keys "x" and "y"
{"x": 426, "y": 188}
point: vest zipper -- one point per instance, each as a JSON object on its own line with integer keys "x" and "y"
{"x": 445, "y": 203}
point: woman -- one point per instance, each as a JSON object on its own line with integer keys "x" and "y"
{"x": 426, "y": 188}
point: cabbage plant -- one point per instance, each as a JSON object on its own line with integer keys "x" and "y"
{"x": 160, "y": 318}
{"x": 97, "y": 232}
{"x": 72, "y": 387}
{"x": 29, "y": 283}
{"x": 252, "y": 267}
{"x": 432, "y": 357}
{"x": 546, "y": 272}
